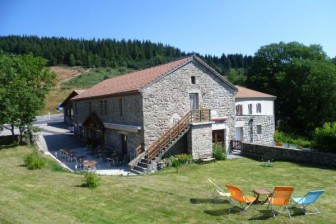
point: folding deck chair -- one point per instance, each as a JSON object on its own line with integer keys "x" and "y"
{"x": 280, "y": 197}
{"x": 237, "y": 196}
{"x": 219, "y": 192}
{"x": 309, "y": 199}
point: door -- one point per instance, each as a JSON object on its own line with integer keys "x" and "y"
{"x": 193, "y": 101}
{"x": 239, "y": 134}
{"x": 124, "y": 144}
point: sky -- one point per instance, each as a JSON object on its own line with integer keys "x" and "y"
{"x": 210, "y": 27}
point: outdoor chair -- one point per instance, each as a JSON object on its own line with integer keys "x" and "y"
{"x": 280, "y": 197}
{"x": 219, "y": 192}
{"x": 237, "y": 196}
{"x": 309, "y": 199}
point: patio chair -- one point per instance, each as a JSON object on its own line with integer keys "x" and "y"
{"x": 237, "y": 196}
{"x": 219, "y": 192}
{"x": 309, "y": 199}
{"x": 280, "y": 197}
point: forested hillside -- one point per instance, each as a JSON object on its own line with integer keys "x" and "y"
{"x": 133, "y": 54}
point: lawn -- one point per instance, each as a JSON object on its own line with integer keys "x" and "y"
{"x": 46, "y": 196}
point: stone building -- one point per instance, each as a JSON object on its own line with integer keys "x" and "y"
{"x": 254, "y": 116}
{"x": 177, "y": 107}
{"x": 68, "y": 108}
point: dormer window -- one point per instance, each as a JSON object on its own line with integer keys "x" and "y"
{"x": 193, "y": 79}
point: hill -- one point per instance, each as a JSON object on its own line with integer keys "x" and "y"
{"x": 70, "y": 78}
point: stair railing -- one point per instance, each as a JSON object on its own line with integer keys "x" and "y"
{"x": 192, "y": 116}
{"x": 156, "y": 148}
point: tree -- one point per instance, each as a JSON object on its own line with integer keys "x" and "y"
{"x": 304, "y": 80}
{"x": 236, "y": 76}
{"x": 24, "y": 82}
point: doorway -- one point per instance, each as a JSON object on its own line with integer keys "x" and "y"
{"x": 218, "y": 137}
{"x": 239, "y": 134}
{"x": 193, "y": 101}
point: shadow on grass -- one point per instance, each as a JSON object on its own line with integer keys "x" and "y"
{"x": 267, "y": 214}
{"x": 263, "y": 215}
{"x": 207, "y": 200}
{"x": 234, "y": 210}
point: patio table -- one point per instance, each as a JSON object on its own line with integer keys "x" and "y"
{"x": 260, "y": 191}
{"x": 89, "y": 163}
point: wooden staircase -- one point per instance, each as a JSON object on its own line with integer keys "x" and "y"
{"x": 141, "y": 163}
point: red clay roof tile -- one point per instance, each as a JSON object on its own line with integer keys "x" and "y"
{"x": 131, "y": 82}
{"x": 249, "y": 93}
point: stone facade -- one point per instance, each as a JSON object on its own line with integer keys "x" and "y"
{"x": 166, "y": 101}
{"x": 249, "y": 124}
{"x": 200, "y": 140}
{"x": 131, "y": 115}
{"x": 142, "y": 116}
{"x": 274, "y": 153}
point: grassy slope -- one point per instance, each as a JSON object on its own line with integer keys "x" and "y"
{"x": 44, "y": 196}
{"x": 70, "y": 78}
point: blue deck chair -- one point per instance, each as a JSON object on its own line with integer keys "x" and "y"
{"x": 309, "y": 199}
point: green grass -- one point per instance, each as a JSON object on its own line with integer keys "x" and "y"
{"x": 92, "y": 77}
{"x": 46, "y": 196}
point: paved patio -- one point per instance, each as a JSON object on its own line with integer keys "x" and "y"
{"x": 56, "y": 136}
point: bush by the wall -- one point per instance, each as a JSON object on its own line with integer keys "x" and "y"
{"x": 325, "y": 138}
{"x": 281, "y": 137}
{"x": 218, "y": 152}
{"x": 35, "y": 160}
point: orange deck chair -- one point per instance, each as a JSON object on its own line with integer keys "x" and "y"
{"x": 280, "y": 197}
{"x": 237, "y": 196}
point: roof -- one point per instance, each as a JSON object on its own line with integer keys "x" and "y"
{"x": 73, "y": 94}
{"x": 249, "y": 93}
{"x": 136, "y": 81}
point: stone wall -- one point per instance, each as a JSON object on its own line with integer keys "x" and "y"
{"x": 131, "y": 106}
{"x": 166, "y": 101}
{"x": 267, "y": 129}
{"x": 131, "y": 115}
{"x": 274, "y": 153}
{"x": 200, "y": 140}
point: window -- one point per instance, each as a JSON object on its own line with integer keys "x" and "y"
{"x": 103, "y": 107}
{"x": 76, "y": 109}
{"x": 258, "y": 107}
{"x": 121, "y": 112}
{"x": 258, "y": 129}
{"x": 193, "y": 79}
{"x": 250, "y": 108}
{"x": 239, "y": 110}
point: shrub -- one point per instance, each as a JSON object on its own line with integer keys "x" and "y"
{"x": 218, "y": 152}
{"x": 35, "y": 160}
{"x": 325, "y": 138}
{"x": 176, "y": 163}
{"x": 184, "y": 158}
{"x": 91, "y": 180}
{"x": 281, "y": 137}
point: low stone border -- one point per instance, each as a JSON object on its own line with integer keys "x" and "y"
{"x": 275, "y": 153}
